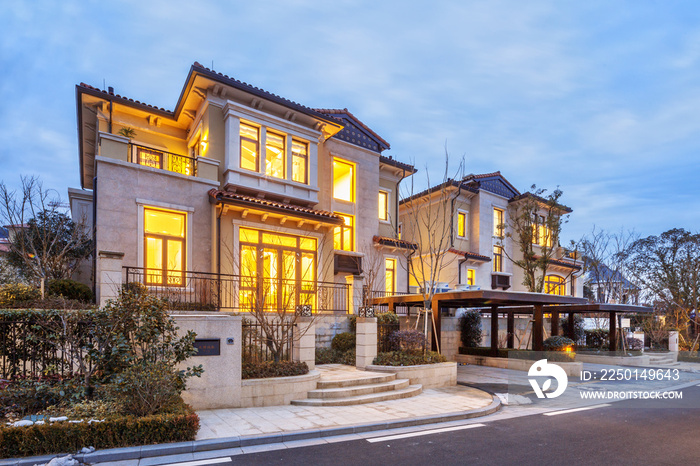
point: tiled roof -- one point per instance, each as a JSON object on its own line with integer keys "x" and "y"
{"x": 563, "y": 263}
{"x": 123, "y": 98}
{"x": 448, "y": 183}
{"x": 242, "y": 199}
{"x": 470, "y": 255}
{"x": 393, "y": 162}
{"x": 397, "y": 243}
{"x": 493, "y": 182}
{"x": 346, "y": 134}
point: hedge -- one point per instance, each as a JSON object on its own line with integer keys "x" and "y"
{"x": 64, "y": 437}
{"x": 267, "y": 369}
{"x": 404, "y": 358}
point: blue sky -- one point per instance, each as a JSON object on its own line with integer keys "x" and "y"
{"x": 599, "y": 98}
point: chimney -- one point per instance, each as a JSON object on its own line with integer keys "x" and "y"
{"x": 110, "y": 89}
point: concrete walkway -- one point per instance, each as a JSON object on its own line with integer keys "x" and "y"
{"x": 223, "y": 423}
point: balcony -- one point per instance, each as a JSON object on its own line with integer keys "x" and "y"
{"x": 163, "y": 160}
{"x": 201, "y": 291}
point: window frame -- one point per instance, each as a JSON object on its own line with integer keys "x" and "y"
{"x": 386, "y": 205}
{"x": 499, "y": 232}
{"x": 283, "y": 156}
{"x": 462, "y": 223}
{"x": 558, "y": 285}
{"x": 341, "y": 229}
{"x": 497, "y": 259}
{"x": 165, "y": 240}
{"x": 353, "y": 182}
{"x": 304, "y": 157}
{"x": 391, "y": 260}
{"x": 471, "y": 276}
{"x": 257, "y": 143}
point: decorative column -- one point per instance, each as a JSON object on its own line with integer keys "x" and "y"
{"x": 366, "y": 341}
{"x": 354, "y": 292}
{"x": 109, "y": 277}
{"x": 304, "y": 344}
{"x": 673, "y": 341}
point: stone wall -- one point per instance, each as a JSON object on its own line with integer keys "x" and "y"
{"x": 277, "y": 391}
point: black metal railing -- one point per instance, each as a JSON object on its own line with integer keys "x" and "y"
{"x": 164, "y": 160}
{"x": 35, "y": 349}
{"x": 202, "y": 291}
{"x": 384, "y": 332}
{"x": 399, "y": 309}
{"x": 271, "y": 341}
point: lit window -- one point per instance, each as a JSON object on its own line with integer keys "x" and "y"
{"x": 343, "y": 181}
{"x": 383, "y": 205}
{"x": 461, "y": 224}
{"x": 497, "y": 259}
{"x": 343, "y": 234}
{"x": 498, "y": 223}
{"x": 541, "y": 234}
{"x": 471, "y": 277}
{"x": 390, "y": 280}
{"x": 554, "y": 284}
{"x": 274, "y": 155}
{"x": 149, "y": 157}
{"x": 250, "y": 146}
{"x": 398, "y": 231}
{"x": 300, "y": 161}
{"x": 164, "y": 251}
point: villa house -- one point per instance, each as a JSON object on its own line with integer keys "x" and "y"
{"x": 237, "y": 196}
{"x": 479, "y": 208}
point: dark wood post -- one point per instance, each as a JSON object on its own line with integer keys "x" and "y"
{"x": 538, "y": 328}
{"x": 572, "y": 331}
{"x": 511, "y": 330}
{"x": 436, "y": 335}
{"x": 612, "y": 334}
{"x": 555, "y": 323}
{"x": 494, "y": 329}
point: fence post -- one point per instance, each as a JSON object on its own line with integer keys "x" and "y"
{"x": 673, "y": 341}
{"x": 304, "y": 344}
{"x": 355, "y": 293}
{"x": 366, "y": 341}
{"x": 109, "y": 276}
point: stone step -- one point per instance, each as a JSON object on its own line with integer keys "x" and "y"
{"x": 411, "y": 390}
{"x": 355, "y": 390}
{"x": 351, "y": 382}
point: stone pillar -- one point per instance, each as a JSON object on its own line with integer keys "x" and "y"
{"x": 366, "y": 341}
{"x": 673, "y": 341}
{"x": 304, "y": 345}
{"x": 639, "y": 336}
{"x": 354, "y": 292}
{"x": 220, "y": 384}
{"x": 109, "y": 277}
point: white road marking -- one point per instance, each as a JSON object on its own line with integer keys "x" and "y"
{"x": 423, "y": 432}
{"x": 202, "y": 462}
{"x": 566, "y": 411}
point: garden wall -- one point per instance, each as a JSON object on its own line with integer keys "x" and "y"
{"x": 571, "y": 368}
{"x": 428, "y": 375}
{"x": 277, "y": 391}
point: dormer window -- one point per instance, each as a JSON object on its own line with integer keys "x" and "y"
{"x": 250, "y": 147}
{"x": 274, "y": 155}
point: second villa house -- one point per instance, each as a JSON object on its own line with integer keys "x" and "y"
{"x": 283, "y": 201}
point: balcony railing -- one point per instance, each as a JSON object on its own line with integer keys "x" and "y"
{"x": 202, "y": 291}
{"x": 164, "y": 160}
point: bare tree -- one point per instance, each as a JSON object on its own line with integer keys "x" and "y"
{"x": 45, "y": 243}
{"x": 534, "y": 225}
{"x": 427, "y": 219}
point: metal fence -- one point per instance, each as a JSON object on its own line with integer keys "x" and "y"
{"x": 34, "y": 349}
{"x": 202, "y": 291}
{"x": 384, "y": 331}
{"x": 272, "y": 341}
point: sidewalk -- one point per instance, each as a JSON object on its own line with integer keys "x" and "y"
{"x": 243, "y": 430}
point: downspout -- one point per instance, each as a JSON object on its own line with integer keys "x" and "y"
{"x": 398, "y": 183}
{"x": 459, "y": 270}
{"x": 110, "y": 116}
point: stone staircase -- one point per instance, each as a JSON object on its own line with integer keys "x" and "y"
{"x": 364, "y": 387}
{"x": 663, "y": 359}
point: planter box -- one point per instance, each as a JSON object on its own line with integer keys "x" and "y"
{"x": 442, "y": 374}
{"x": 572, "y": 369}
{"x": 277, "y": 391}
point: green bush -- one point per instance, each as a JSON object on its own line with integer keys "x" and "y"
{"x": 558, "y": 343}
{"x": 470, "y": 328}
{"x": 382, "y": 318}
{"x": 403, "y": 358}
{"x": 25, "y": 396}
{"x": 407, "y": 340}
{"x": 70, "y": 289}
{"x": 181, "y": 425}
{"x": 145, "y": 388}
{"x": 331, "y": 356}
{"x": 13, "y": 293}
{"x": 343, "y": 342}
{"x": 267, "y": 369}
{"x": 597, "y": 338}
{"x": 579, "y": 328}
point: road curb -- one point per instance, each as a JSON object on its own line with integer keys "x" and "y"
{"x": 168, "y": 449}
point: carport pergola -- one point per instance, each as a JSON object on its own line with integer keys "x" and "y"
{"x": 509, "y": 303}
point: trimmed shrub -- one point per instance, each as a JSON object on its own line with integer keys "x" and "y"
{"x": 387, "y": 318}
{"x": 25, "y": 396}
{"x": 402, "y": 358}
{"x": 470, "y": 328}
{"x": 181, "y": 425}
{"x": 13, "y": 293}
{"x": 407, "y": 340}
{"x": 634, "y": 344}
{"x": 558, "y": 343}
{"x": 343, "y": 342}
{"x": 70, "y": 289}
{"x": 145, "y": 388}
{"x": 267, "y": 369}
{"x": 597, "y": 338}
{"x": 331, "y": 356}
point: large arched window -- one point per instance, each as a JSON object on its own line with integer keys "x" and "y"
{"x": 554, "y": 284}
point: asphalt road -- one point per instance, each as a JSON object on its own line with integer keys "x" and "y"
{"x": 626, "y": 432}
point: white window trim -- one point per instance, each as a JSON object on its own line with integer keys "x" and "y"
{"x": 396, "y": 271}
{"x": 466, "y": 223}
{"x": 388, "y": 205}
{"x": 505, "y": 222}
{"x": 354, "y": 182}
